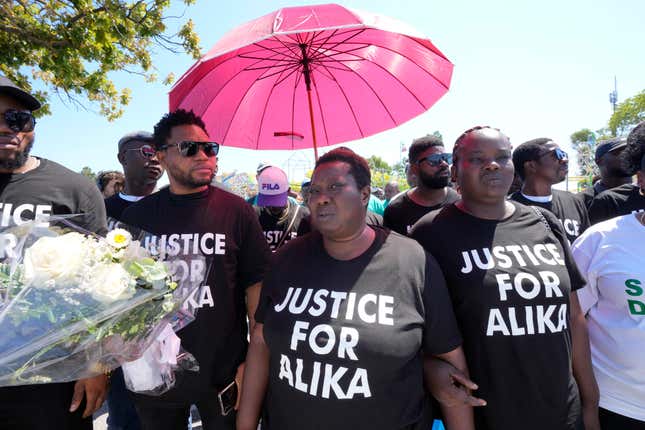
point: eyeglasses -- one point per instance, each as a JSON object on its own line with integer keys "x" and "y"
{"x": 435, "y": 159}
{"x": 146, "y": 151}
{"x": 189, "y": 148}
{"x": 558, "y": 153}
{"x": 19, "y": 121}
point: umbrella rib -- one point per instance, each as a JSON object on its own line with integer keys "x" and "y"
{"x": 335, "y": 44}
{"x": 293, "y": 106}
{"x": 281, "y": 66}
{"x": 318, "y": 69}
{"x": 337, "y": 32}
{"x": 264, "y": 111}
{"x": 295, "y": 53}
{"x": 225, "y": 84}
{"x": 260, "y": 48}
{"x": 335, "y": 53}
{"x": 238, "y": 105}
{"x": 340, "y": 88}
{"x": 288, "y": 76}
{"x": 413, "y": 62}
{"x": 398, "y": 80}
{"x": 276, "y": 60}
{"x": 376, "y": 95}
{"x": 326, "y": 38}
{"x": 273, "y": 50}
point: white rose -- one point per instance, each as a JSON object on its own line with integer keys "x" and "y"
{"x": 56, "y": 260}
{"x": 135, "y": 251}
{"x": 109, "y": 283}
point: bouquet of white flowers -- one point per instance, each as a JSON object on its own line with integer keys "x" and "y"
{"x": 74, "y": 305}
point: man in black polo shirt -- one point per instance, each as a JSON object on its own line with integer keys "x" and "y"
{"x": 612, "y": 171}
{"x": 627, "y": 198}
{"x": 31, "y": 186}
{"x": 142, "y": 170}
{"x": 541, "y": 163}
{"x": 219, "y": 239}
{"x": 430, "y": 164}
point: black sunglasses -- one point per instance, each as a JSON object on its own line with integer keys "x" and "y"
{"x": 189, "y": 148}
{"x": 435, "y": 159}
{"x": 558, "y": 153}
{"x": 19, "y": 121}
{"x": 146, "y": 151}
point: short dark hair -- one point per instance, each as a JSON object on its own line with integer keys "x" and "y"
{"x": 634, "y": 154}
{"x": 457, "y": 146}
{"x": 103, "y": 178}
{"x": 421, "y": 144}
{"x": 173, "y": 119}
{"x": 528, "y": 151}
{"x": 358, "y": 166}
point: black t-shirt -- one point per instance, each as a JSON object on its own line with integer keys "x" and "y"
{"x": 49, "y": 189}
{"x": 401, "y": 213}
{"x": 115, "y": 205}
{"x": 346, "y": 337}
{"x": 588, "y": 194}
{"x": 224, "y": 229}
{"x": 510, "y": 282}
{"x": 618, "y": 201}
{"x": 291, "y": 225}
{"x": 568, "y": 208}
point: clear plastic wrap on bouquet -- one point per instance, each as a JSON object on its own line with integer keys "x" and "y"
{"x": 75, "y": 305}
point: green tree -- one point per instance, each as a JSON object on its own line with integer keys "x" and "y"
{"x": 72, "y": 46}
{"x": 376, "y": 163}
{"x": 628, "y": 114}
{"x": 88, "y": 172}
{"x": 584, "y": 143}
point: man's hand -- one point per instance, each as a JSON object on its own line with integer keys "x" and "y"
{"x": 239, "y": 378}
{"x": 449, "y": 385}
{"x": 94, "y": 389}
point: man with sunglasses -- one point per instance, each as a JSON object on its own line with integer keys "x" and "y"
{"x": 142, "y": 170}
{"x": 430, "y": 164}
{"x": 541, "y": 163}
{"x": 141, "y": 167}
{"x": 31, "y": 186}
{"x": 219, "y": 240}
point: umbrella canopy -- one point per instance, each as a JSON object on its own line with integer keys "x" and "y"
{"x": 312, "y": 76}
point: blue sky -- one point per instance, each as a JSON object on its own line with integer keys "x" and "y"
{"x": 530, "y": 68}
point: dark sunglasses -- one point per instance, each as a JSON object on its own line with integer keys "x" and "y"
{"x": 189, "y": 148}
{"x": 146, "y": 151}
{"x": 558, "y": 153}
{"x": 435, "y": 159}
{"x": 19, "y": 121}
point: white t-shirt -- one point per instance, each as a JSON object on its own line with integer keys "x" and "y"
{"x": 611, "y": 256}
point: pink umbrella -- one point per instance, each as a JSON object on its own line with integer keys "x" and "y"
{"x": 312, "y": 76}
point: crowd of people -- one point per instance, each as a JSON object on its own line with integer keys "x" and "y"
{"x": 483, "y": 296}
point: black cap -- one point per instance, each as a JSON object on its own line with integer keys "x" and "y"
{"x": 13, "y": 90}
{"x": 609, "y": 145}
{"x": 141, "y": 136}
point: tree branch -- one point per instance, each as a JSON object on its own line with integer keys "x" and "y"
{"x": 82, "y": 15}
